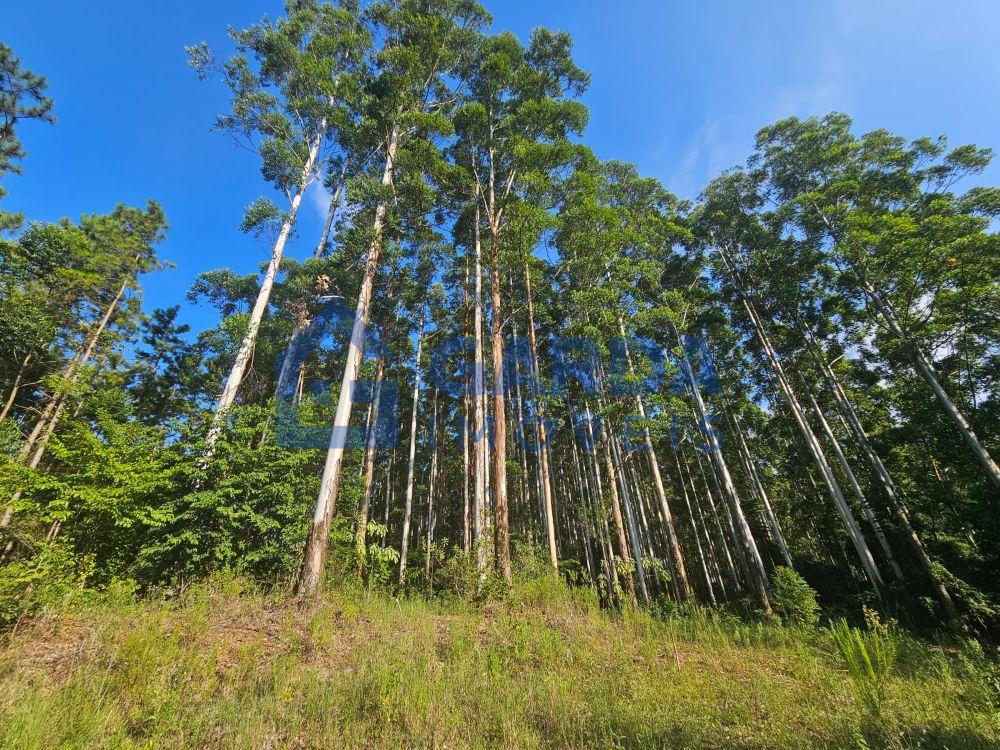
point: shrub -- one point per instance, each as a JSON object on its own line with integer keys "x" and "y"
{"x": 794, "y": 599}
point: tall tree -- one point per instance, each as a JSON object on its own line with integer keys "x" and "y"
{"x": 425, "y": 45}
{"x": 22, "y": 97}
{"x": 284, "y": 81}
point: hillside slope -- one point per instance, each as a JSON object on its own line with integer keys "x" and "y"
{"x": 222, "y": 668}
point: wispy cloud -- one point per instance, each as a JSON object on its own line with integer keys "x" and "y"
{"x": 820, "y": 94}
{"x": 710, "y": 150}
{"x": 319, "y": 197}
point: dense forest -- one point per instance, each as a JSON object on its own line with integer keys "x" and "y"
{"x": 503, "y": 354}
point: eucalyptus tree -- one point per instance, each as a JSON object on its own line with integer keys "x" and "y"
{"x": 614, "y": 227}
{"x": 286, "y": 80}
{"x": 425, "y": 46}
{"x": 513, "y": 136}
{"x": 893, "y": 224}
{"x": 22, "y": 97}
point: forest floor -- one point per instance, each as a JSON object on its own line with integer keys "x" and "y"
{"x": 220, "y": 667}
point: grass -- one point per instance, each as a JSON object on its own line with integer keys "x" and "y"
{"x": 220, "y": 667}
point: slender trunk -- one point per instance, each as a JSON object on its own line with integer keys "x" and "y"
{"x": 616, "y": 516}
{"x": 747, "y": 541}
{"x": 731, "y": 544}
{"x": 829, "y": 479}
{"x": 925, "y": 368}
{"x": 713, "y": 553}
{"x": 9, "y": 403}
{"x": 543, "y": 446}
{"x": 310, "y": 578}
{"x": 694, "y": 531}
{"x": 361, "y": 533}
{"x": 228, "y": 395}
{"x": 46, "y": 425}
{"x": 858, "y": 492}
{"x": 431, "y": 488}
{"x": 522, "y": 452}
{"x": 677, "y": 556}
{"x": 501, "y": 528}
{"x": 331, "y": 214}
{"x": 772, "y": 519}
{"x": 895, "y": 500}
{"x": 408, "y": 502}
{"x": 629, "y": 515}
{"x": 482, "y": 438}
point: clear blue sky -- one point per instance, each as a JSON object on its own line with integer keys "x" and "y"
{"x": 679, "y": 88}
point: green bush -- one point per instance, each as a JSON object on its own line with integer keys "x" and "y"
{"x": 794, "y": 599}
{"x": 50, "y": 577}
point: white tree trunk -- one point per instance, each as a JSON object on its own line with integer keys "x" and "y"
{"x": 310, "y": 579}
{"x": 829, "y": 479}
{"x": 747, "y": 541}
{"x": 408, "y": 503}
{"x": 228, "y": 395}
{"x": 858, "y": 492}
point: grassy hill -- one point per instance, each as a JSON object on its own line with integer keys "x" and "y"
{"x": 220, "y": 667}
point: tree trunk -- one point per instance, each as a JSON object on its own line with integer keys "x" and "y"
{"x": 430, "y": 490}
{"x": 858, "y": 492}
{"x": 9, "y": 403}
{"x": 898, "y": 506}
{"x": 772, "y": 519}
{"x": 228, "y": 395}
{"x": 408, "y": 503}
{"x": 677, "y": 556}
{"x": 501, "y": 528}
{"x": 331, "y": 214}
{"x": 314, "y": 562}
{"x": 749, "y": 545}
{"x": 833, "y": 487}
{"x": 361, "y": 534}
{"x": 616, "y": 516}
{"x": 629, "y": 516}
{"x": 481, "y": 435}
{"x": 925, "y": 368}
{"x": 543, "y": 446}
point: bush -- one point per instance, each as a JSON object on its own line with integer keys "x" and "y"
{"x": 50, "y": 577}
{"x": 794, "y": 599}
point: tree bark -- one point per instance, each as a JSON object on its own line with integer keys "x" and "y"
{"x": 501, "y": 528}
{"x": 361, "y": 534}
{"x": 747, "y": 541}
{"x": 408, "y": 503}
{"x": 430, "y": 490}
{"x": 314, "y": 562}
{"x": 228, "y": 395}
{"x": 12, "y": 397}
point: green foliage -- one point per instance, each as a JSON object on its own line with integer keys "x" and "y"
{"x": 244, "y": 510}
{"x": 50, "y": 577}
{"x": 870, "y": 659}
{"x": 794, "y": 600}
{"x": 22, "y": 97}
{"x": 381, "y": 562}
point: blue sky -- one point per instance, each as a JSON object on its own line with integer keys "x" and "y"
{"x": 679, "y": 87}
